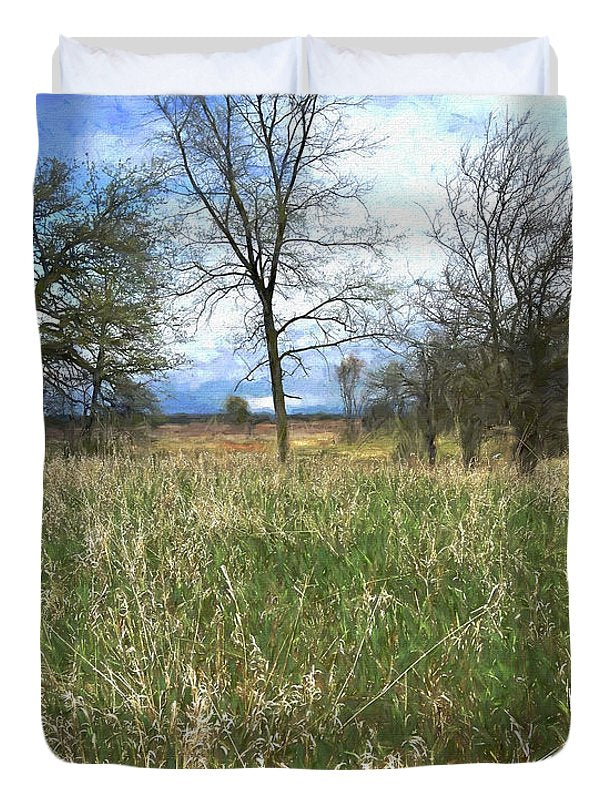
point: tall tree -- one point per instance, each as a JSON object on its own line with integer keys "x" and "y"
{"x": 506, "y": 234}
{"x": 269, "y": 193}
{"x": 118, "y": 330}
{"x": 99, "y": 282}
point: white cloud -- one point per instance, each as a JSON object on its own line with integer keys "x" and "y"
{"x": 266, "y": 403}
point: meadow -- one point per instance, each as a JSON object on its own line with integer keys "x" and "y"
{"x": 203, "y": 606}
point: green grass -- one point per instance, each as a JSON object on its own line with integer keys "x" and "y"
{"x": 215, "y": 610}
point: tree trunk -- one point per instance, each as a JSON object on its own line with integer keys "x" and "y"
{"x": 431, "y": 442}
{"x": 470, "y": 431}
{"x": 277, "y": 388}
{"x": 96, "y": 390}
{"x": 527, "y": 452}
{"x": 352, "y": 430}
{"x": 430, "y": 435}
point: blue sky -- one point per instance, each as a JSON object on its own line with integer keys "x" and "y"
{"x": 422, "y": 140}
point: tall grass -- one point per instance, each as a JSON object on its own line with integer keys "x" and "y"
{"x": 215, "y": 610}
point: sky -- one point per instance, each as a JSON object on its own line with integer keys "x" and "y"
{"x": 421, "y": 137}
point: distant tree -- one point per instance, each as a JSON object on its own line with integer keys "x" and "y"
{"x": 349, "y": 376}
{"x": 473, "y": 393}
{"x": 100, "y": 276}
{"x": 414, "y": 390}
{"x": 268, "y": 195}
{"x": 505, "y": 287}
{"x": 386, "y": 390}
{"x": 134, "y": 399}
{"x": 438, "y": 386}
{"x": 237, "y": 410}
{"x": 425, "y": 387}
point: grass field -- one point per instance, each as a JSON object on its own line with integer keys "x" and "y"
{"x": 203, "y": 607}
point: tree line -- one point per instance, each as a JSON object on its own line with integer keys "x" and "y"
{"x": 249, "y": 199}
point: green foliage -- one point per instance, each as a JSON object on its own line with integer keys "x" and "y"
{"x": 100, "y": 277}
{"x": 237, "y": 409}
{"x": 214, "y": 610}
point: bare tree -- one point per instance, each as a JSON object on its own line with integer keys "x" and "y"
{"x": 267, "y": 203}
{"x": 506, "y": 234}
{"x": 414, "y": 390}
{"x": 349, "y": 376}
{"x": 386, "y": 398}
{"x": 474, "y": 395}
{"x": 425, "y": 387}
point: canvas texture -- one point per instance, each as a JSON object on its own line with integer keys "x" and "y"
{"x": 305, "y": 392}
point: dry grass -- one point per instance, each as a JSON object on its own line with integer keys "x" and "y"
{"x": 210, "y": 609}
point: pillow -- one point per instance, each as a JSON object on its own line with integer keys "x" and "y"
{"x": 518, "y": 69}
{"x": 273, "y": 68}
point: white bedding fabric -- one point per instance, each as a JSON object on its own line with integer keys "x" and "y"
{"x": 271, "y": 69}
{"x": 518, "y": 69}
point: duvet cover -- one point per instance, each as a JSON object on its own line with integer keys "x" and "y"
{"x": 305, "y": 387}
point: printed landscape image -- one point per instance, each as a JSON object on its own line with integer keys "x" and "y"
{"x": 305, "y": 394}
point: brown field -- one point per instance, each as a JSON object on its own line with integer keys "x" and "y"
{"x": 216, "y": 434}
{"x": 307, "y": 437}
{"x": 219, "y": 435}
